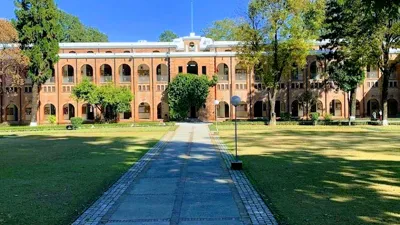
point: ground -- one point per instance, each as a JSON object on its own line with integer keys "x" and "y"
{"x": 50, "y": 177}
{"x": 323, "y": 174}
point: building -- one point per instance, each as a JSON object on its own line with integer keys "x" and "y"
{"x": 147, "y": 67}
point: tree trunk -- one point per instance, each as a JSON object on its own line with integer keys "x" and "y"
{"x": 271, "y": 101}
{"x": 385, "y": 94}
{"x": 35, "y": 101}
{"x": 353, "y": 105}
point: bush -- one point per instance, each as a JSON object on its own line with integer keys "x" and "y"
{"x": 328, "y": 117}
{"x": 285, "y": 117}
{"x": 52, "y": 119}
{"x": 314, "y": 116}
{"x": 76, "y": 122}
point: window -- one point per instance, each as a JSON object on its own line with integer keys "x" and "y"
{"x": 28, "y": 89}
{"x": 72, "y": 52}
{"x": 180, "y": 69}
{"x": 91, "y": 52}
{"x": 127, "y": 51}
{"x": 108, "y": 51}
{"x": 191, "y": 46}
{"x": 204, "y": 70}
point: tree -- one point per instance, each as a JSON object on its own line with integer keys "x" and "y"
{"x": 344, "y": 52}
{"x": 13, "y": 64}
{"x": 74, "y": 31}
{"x": 186, "y": 91}
{"x": 306, "y": 99}
{"x": 117, "y": 99}
{"x": 39, "y": 33}
{"x": 222, "y": 30}
{"x": 167, "y": 36}
{"x": 276, "y": 35}
{"x": 380, "y": 26}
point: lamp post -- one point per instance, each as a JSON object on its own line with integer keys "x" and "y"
{"x": 236, "y": 165}
{"x": 216, "y": 102}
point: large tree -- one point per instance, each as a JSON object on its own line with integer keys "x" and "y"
{"x": 118, "y": 99}
{"x": 167, "y": 36}
{"x": 380, "y": 25}
{"x": 72, "y": 30}
{"x": 344, "y": 51}
{"x": 39, "y": 33}
{"x": 186, "y": 91}
{"x": 222, "y": 30}
{"x": 277, "y": 35}
{"x": 13, "y": 64}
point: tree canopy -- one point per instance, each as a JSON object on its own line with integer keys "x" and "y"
{"x": 118, "y": 99}
{"x": 168, "y": 36}
{"x": 13, "y": 64}
{"x": 72, "y": 30}
{"x": 186, "y": 91}
{"x": 276, "y": 35}
{"x": 222, "y": 30}
{"x": 37, "y": 23}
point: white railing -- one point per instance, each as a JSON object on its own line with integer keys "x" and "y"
{"x": 372, "y": 74}
{"x": 162, "y": 78}
{"x": 105, "y": 79}
{"x": 68, "y": 80}
{"x": 125, "y": 79}
{"x": 223, "y": 77}
{"x": 144, "y": 79}
{"x": 241, "y": 76}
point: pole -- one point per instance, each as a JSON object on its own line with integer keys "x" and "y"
{"x": 216, "y": 120}
{"x": 236, "y": 132}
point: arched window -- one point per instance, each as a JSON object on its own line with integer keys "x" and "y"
{"x": 223, "y": 110}
{"x": 144, "y": 74}
{"x": 68, "y": 74}
{"x": 125, "y": 73}
{"x": 372, "y": 106}
{"x": 91, "y": 52}
{"x": 295, "y": 108}
{"x": 372, "y": 71}
{"x": 162, "y": 73}
{"x": 314, "y": 70}
{"x": 297, "y": 72}
{"x": 108, "y": 51}
{"x": 192, "y": 68}
{"x": 144, "y": 111}
{"x": 105, "y": 73}
{"x": 223, "y": 72}
{"x": 240, "y": 72}
{"x": 87, "y": 72}
{"x": 162, "y": 111}
{"x": 72, "y": 52}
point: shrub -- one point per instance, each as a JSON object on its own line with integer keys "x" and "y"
{"x": 76, "y": 122}
{"x": 328, "y": 117}
{"x": 285, "y": 117}
{"x": 52, "y": 119}
{"x": 314, "y": 116}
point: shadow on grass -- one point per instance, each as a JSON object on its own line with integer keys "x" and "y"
{"x": 325, "y": 177}
{"x": 47, "y": 179}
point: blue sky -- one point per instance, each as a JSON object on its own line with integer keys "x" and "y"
{"x": 133, "y": 20}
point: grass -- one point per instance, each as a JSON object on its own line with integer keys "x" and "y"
{"x": 324, "y": 174}
{"x": 51, "y": 177}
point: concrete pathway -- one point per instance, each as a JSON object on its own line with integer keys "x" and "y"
{"x": 186, "y": 184}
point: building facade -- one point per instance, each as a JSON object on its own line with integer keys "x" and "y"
{"x": 146, "y": 68}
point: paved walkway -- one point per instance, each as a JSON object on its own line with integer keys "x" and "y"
{"x": 186, "y": 183}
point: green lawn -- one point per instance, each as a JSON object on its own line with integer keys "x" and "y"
{"x": 323, "y": 175}
{"x": 50, "y": 177}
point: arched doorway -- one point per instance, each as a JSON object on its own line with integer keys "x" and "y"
{"x": 372, "y": 106}
{"x": 278, "y": 108}
{"x": 28, "y": 112}
{"x": 392, "y": 108}
{"x": 144, "y": 74}
{"x": 49, "y": 110}
{"x": 68, "y": 111}
{"x": 258, "y": 109}
{"x": 162, "y": 73}
{"x": 223, "y": 110}
{"x": 336, "y": 107}
{"x": 318, "y": 107}
{"x": 87, "y": 72}
{"x": 162, "y": 111}
{"x": 125, "y": 73}
{"x": 223, "y": 72}
{"x": 192, "y": 67}
{"x": 87, "y": 112}
{"x": 12, "y": 113}
{"x": 358, "y": 108}
{"x": 295, "y": 108}
{"x": 144, "y": 111}
{"x": 242, "y": 110}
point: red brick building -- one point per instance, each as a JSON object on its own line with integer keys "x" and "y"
{"x": 147, "y": 67}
